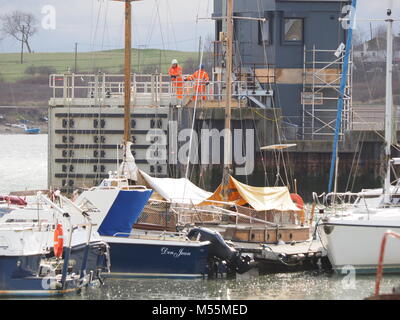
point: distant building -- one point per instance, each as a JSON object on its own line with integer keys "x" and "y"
{"x": 374, "y": 51}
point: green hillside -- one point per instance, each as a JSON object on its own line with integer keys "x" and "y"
{"x": 144, "y": 60}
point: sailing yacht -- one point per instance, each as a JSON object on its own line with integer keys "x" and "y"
{"x": 352, "y": 236}
{"x": 116, "y": 205}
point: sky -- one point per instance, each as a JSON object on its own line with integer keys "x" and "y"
{"x": 164, "y": 24}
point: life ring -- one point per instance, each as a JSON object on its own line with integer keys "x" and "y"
{"x": 58, "y": 241}
{"x": 297, "y": 200}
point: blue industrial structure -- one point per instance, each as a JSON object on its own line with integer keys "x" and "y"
{"x": 289, "y": 53}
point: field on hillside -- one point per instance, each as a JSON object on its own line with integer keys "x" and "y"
{"x": 144, "y": 60}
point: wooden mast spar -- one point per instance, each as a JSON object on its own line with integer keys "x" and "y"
{"x": 228, "y": 110}
{"x": 127, "y": 72}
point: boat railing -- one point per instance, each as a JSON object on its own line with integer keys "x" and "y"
{"x": 381, "y": 258}
{"x": 344, "y": 200}
{"x": 148, "y": 234}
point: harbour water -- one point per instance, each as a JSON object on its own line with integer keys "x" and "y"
{"x": 23, "y": 165}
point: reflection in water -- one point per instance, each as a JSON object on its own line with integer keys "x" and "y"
{"x": 23, "y": 165}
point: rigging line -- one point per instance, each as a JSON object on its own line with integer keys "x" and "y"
{"x": 193, "y": 123}
{"x": 172, "y": 26}
{"x": 395, "y": 146}
{"x": 151, "y": 29}
{"x": 263, "y": 159}
{"x": 267, "y": 118}
{"x": 353, "y": 162}
{"x": 269, "y": 82}
{"x": 105, "y": 25}
{"x": 358, "y": 162}
{"x": 95, "y": 34}
{"x": 91, "y": 21}
{"x": 240, "y": 109}
{"x": 161, "y": 32}
{"x": 366, "y": 79}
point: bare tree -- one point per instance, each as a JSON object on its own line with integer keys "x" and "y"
{"x": 380, "y": 31}
{"x": 19, "y": 25}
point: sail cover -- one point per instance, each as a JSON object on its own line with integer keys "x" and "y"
{"x": 128, "y": 166}
{"x": 176, "y": 190}
{"x": 259, "y": 198}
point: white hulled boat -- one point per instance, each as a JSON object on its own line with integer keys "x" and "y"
{"x": 352, "y": 234}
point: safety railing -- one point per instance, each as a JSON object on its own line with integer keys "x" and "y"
{"x": 381, "y": 256}
{"x": 157, "y": 86}
{"x": 154, "y": 235}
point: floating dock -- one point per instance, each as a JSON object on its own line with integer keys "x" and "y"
{"x": 277, "y": 258}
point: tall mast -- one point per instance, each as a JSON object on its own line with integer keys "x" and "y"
{"x": 228, "y": 112}
{"x": 127, "y": 68}
{"x": 342, "y": 90}
{"x": 389, "y": 104}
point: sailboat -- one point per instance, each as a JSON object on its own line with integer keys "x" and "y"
{"x": 352, "y": 236}
{"x": 117, "y": 203}
{"x": 240, "y": 212}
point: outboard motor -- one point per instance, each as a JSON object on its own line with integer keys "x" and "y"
{"x": 220, "y": 250}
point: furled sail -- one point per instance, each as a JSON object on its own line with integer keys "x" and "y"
{"x": 128, "y": 166}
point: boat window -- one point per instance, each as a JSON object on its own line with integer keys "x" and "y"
{"x": 264, "y": 32}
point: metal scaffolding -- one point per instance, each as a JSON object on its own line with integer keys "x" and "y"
{"x": 321, "y": 79}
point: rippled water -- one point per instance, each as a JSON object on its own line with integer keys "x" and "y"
{"x": 23, "y": 165}
{"x": 23, "y": 162}
{"x": 298, "y": 286}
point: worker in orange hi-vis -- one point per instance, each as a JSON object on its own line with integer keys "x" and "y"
{"x": 175, "y": 72}
{"x": 201, "y": 80}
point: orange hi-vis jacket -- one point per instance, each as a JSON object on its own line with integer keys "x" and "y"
{"x": 177, "y": 80}
{"x": 200, "y": 79}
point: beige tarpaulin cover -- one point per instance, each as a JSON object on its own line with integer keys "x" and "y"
{"x": 260, "y": 198}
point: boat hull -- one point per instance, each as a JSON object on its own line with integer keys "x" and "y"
{"x": 357, "y": 245}
{"x": 157, "y": 259}
{"x": 32, "y": 131}
{"x": 95, "y": 261}
{"x": 18, "y": 277}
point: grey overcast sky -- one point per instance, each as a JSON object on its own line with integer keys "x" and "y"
{"x": 169, "y": 24}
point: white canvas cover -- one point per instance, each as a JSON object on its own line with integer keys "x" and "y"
{"x": 176, "y": 190}
{"x": 128, "y": 167}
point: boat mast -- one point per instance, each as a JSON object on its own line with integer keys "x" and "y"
{"x": 342, "y": 90}
{"x": 389, "y": 105}
{"x": 228, "y": 112}
{"x": 127, "y": 69}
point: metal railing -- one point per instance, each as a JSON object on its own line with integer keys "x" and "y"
{"x": 381, "y": 257}
{"x": 153, "y": 235}
{"x": 101, "y": 87}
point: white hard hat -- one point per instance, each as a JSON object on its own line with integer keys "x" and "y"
{"x": 174, "y": 61}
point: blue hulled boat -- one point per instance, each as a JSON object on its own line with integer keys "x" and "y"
{"x": 32, "y": 130}
{"x": 115, "y": 206}
{"x": 37, "y": 258}
{"x": 157, "y": 256}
